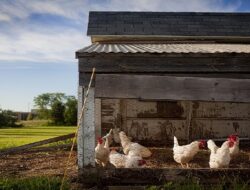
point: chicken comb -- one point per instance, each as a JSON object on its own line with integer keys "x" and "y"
{"x": 100, "y": 140}
{"x": 233, "y": 137}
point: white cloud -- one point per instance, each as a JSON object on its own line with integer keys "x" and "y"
{"x": 22, "y": 41}
{"x": 40, "y": 47}
{"x": 78, "y": 8}
{"x": 4, "y": 17}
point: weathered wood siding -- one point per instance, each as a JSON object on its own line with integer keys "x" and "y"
{"x": 147, "y": 87}
{"x": 155, "y": 122}
{"x": 165, "y": 63}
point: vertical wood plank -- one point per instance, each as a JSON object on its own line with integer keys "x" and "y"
{"x": 189, "y": 108}
{"x": 89, "y": 130}
{"x": 80, "y": 132}
{"x": 98, "y": 117}
{"x": 123, "y": 110}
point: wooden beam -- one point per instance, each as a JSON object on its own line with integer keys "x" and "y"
{"x": 162, "y": 38}
{"x": 149, "y": 176}
{"x": 172, "y": 88}
{"x": 35, "y": 144}
{"x": 143, "y": 63}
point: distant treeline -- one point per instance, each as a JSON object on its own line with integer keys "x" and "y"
{"x": 57, "y": 108}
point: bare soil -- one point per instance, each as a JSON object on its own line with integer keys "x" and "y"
{"x": 163, "y": 158}
{"x": 52, "y": 162}
{"x": 37, "y": 163}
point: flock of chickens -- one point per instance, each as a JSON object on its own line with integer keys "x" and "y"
{"x": 134, "y": 153}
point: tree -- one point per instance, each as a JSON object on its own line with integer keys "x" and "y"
{"x": 8, "y": 119}
{"x": 70, "y": 114}
{"x": 57, "y": 113}
{"x": 45, "y": 101}
{"x": 57, "y": 107}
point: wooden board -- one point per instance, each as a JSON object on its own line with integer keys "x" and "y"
{"x": 156, "y": 130}
{"x": 155, "y": 109}
{"x": 104, "y": 177}
{"x": 35, "y": 144}
{"x": 172, "y": 88}
{"x": 165, "y": 64}
{"x": 155, "y": 122}
{"x": 216, "y": 128}
{"x": 221, "y": 110}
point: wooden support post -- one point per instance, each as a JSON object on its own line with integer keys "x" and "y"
{"x": 80, "y": 132}
{"x": 189, "y": 108}
{"x": 123, "y": 111}
{"x": 86, "y": 134}
{"x": 89, "y": 130}
{"x": 98, "y": 118}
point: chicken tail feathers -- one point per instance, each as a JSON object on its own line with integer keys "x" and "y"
{"x": 212, "y": 146}
{"x": 175, "y": 142}
{"x": 110, "y": 131}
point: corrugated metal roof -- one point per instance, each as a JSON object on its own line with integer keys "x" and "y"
{"x": 166, "y": 48}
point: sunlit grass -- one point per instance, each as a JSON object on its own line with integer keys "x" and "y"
{"x": 31, "y": 132}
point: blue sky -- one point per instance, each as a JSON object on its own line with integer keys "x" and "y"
{"x": 38, "y": 40}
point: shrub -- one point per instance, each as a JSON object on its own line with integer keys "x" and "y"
{"x": 8, "y": 119}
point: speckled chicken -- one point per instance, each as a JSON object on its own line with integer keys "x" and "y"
{"x": 185, "y": 153}
{"x": 136, "y": 148}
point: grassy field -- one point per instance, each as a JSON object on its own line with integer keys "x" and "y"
{"x": 31, "y": 132}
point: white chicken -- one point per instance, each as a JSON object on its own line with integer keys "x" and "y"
{"x": 126, "y": 161}
{"x": 102, "y": 152}
{"x": 136, "y": 148}
{"x": 219, "y": 157}
{"x": 185, "y": 153}
{"x": 234, "y": 150}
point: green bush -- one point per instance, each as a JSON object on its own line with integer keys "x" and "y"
{"x": 34, "y": 183}
{"x": 8, "y": 119}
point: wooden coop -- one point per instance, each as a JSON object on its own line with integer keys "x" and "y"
{"x": 161, "y": 74}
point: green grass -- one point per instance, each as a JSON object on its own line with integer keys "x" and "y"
{"x": 31, "y": 132}
{"x": 33, "y": 183}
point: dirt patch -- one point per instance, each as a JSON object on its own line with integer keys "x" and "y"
{"x": 47, "y": 163}
{"x": 163, "y": 158}
{"x": 30, "y": 164}
{"x": 52, "y": 163}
